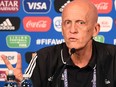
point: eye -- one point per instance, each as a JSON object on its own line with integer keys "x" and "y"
{"x": 80, "y": 22}
{"x": 67, "y": 22}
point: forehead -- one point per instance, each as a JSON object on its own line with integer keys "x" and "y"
{"x": 75, "y": 13}
{"x": 79, "y": 9}
{"x": 76, "y": 5}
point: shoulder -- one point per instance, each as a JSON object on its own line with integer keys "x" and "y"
{"x": 50, "y": 49}
{"x": 43, "y": 53}
{"x": 50, "y": 55}
{"x": 104, "y": 48}
{"x": 50, "y": 52}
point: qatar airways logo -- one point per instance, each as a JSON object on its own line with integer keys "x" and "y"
{"x": 36, "y": 6}
{"x": 103, "y": 6}
{"x": 37, "y": 24}
{"x": 105, "y": 23}
{"x": 9, "y": 5}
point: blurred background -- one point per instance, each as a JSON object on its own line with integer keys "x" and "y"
{"x": 29, "y": 25}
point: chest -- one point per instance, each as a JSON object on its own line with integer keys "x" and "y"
{"x": 76, "y": 77}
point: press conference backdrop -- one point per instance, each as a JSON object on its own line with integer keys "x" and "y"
{"x": 29, "y": 25}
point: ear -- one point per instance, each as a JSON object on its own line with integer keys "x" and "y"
{"x": 96, "y": 29}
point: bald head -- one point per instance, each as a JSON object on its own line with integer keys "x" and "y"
{"x": 83, "y": 7}
{"x": 79, "y": 24}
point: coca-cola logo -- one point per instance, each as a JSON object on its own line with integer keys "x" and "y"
{"x": 103, "y": 6}
{"x": 37, "y": 24}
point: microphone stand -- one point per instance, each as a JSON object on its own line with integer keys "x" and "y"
{"x": 57, "y": 77}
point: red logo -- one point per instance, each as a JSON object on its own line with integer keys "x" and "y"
{"x": 9, "y": 5}
{"x": 37, "y": 24}
{"x": 103, "y": 6}
{"x": 2, "y": 75}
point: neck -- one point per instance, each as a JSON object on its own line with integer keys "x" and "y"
{"x": 82, "y": 57}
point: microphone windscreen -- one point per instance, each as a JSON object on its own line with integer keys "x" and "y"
{"x": 72, "y": 50}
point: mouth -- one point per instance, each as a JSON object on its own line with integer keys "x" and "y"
{"x": 73, "y": 39}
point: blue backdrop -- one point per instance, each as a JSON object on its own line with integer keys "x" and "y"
{"x": 28, "y": 25}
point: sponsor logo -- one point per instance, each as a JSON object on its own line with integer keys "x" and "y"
{"x": 18, "y": 41}
{"x": 9, "y": 23}
{"x": 37, "y": 24}
{"x": 103, "y": 6}
{"x": 36, "y": 6}
{"x": 59, "y": 5}
{"x": 49, "y": 41}
{"x": 57, "y": 21}
{"x": 115, "y": 4}
{"x": 105, "y": 23}
{"x": 10, "y": 6}
{"x": 114, "y": 41}
{"x": 11, "y": 56}
{"x": 99, "y": 38}
{"x": 3, "y": 75}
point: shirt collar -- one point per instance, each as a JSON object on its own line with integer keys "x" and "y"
{"x": 66, "y": 56}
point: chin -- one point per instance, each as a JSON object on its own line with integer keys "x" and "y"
{"x": 73, "y": 45}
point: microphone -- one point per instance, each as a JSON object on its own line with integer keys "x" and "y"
{"x": 58, "y": 73}
{"x": 72, "y": 51}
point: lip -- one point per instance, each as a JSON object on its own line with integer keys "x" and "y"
{"x": 73, "y": 39}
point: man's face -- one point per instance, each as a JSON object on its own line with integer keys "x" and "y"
{"x": 77, "y": 27}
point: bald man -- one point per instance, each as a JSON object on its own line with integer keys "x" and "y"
{"x": 80, "y": 61}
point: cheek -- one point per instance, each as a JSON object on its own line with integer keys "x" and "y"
{"x": 90, "y": 33}
{"x": 89, "y": 30}
{"x": 86, "y": 35}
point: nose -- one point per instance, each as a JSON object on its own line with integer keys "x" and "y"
{"x": 73, "y": 28}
